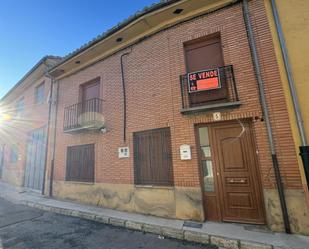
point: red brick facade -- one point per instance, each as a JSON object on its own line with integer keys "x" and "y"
{"x": 152, "y": 72}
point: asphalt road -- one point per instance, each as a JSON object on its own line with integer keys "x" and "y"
{"x": 27, "y": 228}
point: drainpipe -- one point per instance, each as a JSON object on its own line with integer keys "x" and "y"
{"x": 124, "y": 97}
{"x": 2, "y": 160}
{"x": 51, "y": 179}
{"x": 48, "y": 130}
{"x": 304, "y": 148}
{"x": 260, "y": 82}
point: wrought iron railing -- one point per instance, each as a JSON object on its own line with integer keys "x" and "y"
{"x": 84, "y": 114}
{"x": 226, "y": 93}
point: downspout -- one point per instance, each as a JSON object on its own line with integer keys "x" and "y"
{"x": 124, "y": 98}
{"x": 260, "y": 82}
{"x": 2, "y": 160}
{"x": 304, "y": 148}
{"x": 48, "y": 130}
{"x": 54, "y": 144}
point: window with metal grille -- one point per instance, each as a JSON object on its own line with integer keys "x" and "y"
{"x": 40, "y": 93}
{"x": 153, "y": 157}
{"x": 80, "y": 163}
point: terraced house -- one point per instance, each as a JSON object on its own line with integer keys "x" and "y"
{"x": 179, "y": 112}
{"x": 23, "y": 137}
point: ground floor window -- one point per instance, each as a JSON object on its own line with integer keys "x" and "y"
{"x": 80, "y": 163}
{"x": 153, "y": 157}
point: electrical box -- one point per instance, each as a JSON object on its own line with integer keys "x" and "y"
{"x": 185, "y": 152}
{"x": 123, "y": 152}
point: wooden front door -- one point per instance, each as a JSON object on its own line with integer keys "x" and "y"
{"x": 236, "y": 181}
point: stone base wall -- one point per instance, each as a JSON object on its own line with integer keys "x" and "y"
{"x": 14, "y": 177}
{"x": 177, "y": 202}
{"x": 297, "y": 209}
{"x": 171, "y": 202}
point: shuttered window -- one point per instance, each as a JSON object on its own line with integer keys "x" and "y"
{"x": 40, "y": 93}
{"x": 153, "y": 157}
{"x": 80, "y": 163}
{"x": 203, "y": 54}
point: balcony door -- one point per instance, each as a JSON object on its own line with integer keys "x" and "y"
{"x": 202, "y": 54}
{"x": 90, "y": 91}
{"x": 90, "y": 101}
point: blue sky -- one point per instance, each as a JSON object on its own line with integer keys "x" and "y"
{"x": 33, "y": 28}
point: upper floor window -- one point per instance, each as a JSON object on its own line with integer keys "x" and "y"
{"x": 14, "y": 154}
{"x": 20, "y": 107}
{"x": 204, "y": 56}
{"x": 40, "y": 93}
{"x": 208, "y": 84}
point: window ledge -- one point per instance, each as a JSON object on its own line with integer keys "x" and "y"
{"x": 154, "y": 186}
{"x": 76, "y": 182}
{"x": 211, "y": 107}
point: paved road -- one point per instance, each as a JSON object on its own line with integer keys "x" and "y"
{"x": 26, "y": 228}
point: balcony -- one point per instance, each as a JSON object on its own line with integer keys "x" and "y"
{"x": 209, "y": 90}
{"x": 83, "y": 116}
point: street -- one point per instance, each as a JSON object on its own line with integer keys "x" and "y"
{"x": 22, "y": 227}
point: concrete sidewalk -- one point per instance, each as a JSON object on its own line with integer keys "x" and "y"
{"x": 227, "y": 235}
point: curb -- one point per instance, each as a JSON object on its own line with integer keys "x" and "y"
{"x": 181, "y": 234}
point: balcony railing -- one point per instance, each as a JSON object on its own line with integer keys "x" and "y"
{"x": 83, "y": 116}
{"x": 223, "y": 96}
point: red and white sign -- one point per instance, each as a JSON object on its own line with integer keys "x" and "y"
{"x": 204, "y": 80}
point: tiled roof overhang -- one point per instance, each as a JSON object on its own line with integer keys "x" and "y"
{"x": 143, "y": 24}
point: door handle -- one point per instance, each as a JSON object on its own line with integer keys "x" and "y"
{"x": 237, "y": 181}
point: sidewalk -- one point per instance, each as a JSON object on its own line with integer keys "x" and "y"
{"x": 227, "y": 235}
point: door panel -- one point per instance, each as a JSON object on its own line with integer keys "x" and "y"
{"x": 240, "y": 193}
{"x": 208, "y": 172}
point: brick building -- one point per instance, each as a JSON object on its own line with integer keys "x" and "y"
{"x": 24, "y": 127}
{"x": 163, "y": 115}
{"x": 134, "y": 131}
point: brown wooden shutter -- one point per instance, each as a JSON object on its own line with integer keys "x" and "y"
{"x": 202, "y": 54}
{"x": 153, "y": 157}
{"x": 80, "y": 163}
